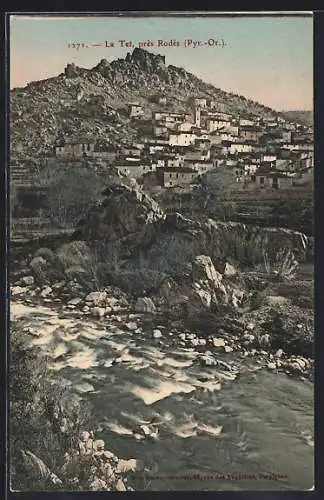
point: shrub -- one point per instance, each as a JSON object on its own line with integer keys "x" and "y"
{"x": 73, "y": 254}
{"x": 46, "y": 253}
{"x": 283, "y": 264}
{"x": 289, "y": 332}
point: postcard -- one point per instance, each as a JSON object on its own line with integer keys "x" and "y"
{"x": 161, "y": 252}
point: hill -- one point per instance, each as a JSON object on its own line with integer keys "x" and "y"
{"x": 92, "y": 101}
{"x": 303, "y": 117}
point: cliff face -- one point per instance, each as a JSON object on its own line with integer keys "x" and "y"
{"x": 91, "y": 101}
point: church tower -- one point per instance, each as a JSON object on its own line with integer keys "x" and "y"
{"x": 197, "y": 116}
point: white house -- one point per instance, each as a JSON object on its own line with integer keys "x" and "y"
{"x": 181, "y": 139}
{"x": 184, "y": 127}
{"x": 200, "y": 102}
{"x": 250, "y": 168}
{"x": 240, "y": 147}
{"x": 216, "y": 124}
{"x": 269, "y": 158}
{"x": 135, "y": 110}
{"x": 246, "y": 121}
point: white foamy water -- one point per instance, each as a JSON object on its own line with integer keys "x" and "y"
{"x": 209, "y": 429}
{"x": 84, "y": 387}
{"x": 60, "y": 349}
{"x": 161, "y": 391}
{"x": 118, "y": 428}
{"x": 17, "y": 310}
{"x": 83, "y": 360}
{"x": 175, "y": 363}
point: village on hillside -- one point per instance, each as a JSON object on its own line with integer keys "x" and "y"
{"x": 177, "y": 148}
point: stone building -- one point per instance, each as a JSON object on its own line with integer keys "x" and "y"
{"x": 135, "y": 110}
{"x": 174, "y": 176}
{"x": 74, "y": 147}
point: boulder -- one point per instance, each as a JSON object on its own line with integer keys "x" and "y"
{"x": 99, "y": 444}
{"x": 218, "y": 342}
{"x": 18, "y": 290}
{"x": 131, "y": 465}
{"x": 125, "y": 212}
{"x": 27, "y": 280}
{"x": 97, "y": 298}
{"x": 201, "y": 298}
{"x": 248, "y": 337}
{"x": 237, "y": 298}
{"x": 157, "y": 334}
{"x": 132, "y": 326}
{"x": 98, "y": 484}
{"x": 203, "y": 269}
{"x": 98, "y": 312}
{"x": 229, "y": 270}
{"x": 46, "y": 291}
{"x": 207, "y": 360}
{"x": 84, "y": 436}
{"x": 120, "y": 486}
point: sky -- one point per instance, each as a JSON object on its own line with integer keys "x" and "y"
{"x": 268, "y": 59}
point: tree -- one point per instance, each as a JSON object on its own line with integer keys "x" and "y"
{"x": 70, "y": 192}
{"x": 217, "y": 186}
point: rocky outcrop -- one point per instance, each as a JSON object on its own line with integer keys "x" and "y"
{"x": 71, "y": 70}
{"x": 146, "y": 60}
{"x": 172, "y": 238}
{"x": 125, "y": 212}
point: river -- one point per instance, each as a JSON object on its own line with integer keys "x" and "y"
{"x": 241, "y": 421}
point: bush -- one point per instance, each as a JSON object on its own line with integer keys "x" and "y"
{"x": 46, "y": 253}
{"x": 283, "y": 264}
{"x": 73, "y": 254}
{"x": 289, "y": 332}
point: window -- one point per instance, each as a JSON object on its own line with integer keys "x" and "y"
{"x": 170, "y": 176}
{"x": 262, "y": 180}
{"x": 88, "y": 148}
{"x": 83, "y": 147}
